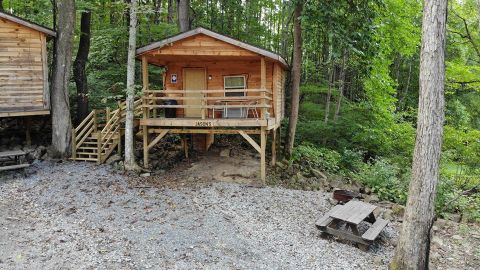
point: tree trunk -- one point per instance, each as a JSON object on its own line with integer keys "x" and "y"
{"x": 1, "y": 5}
{"x": 61, "y": 122}
{"x": 182, "y": 15}
{"x": 157, "y": 8}
{"x": 170, "y": 12}
{"x": 414, "y": 242}
{"x": 130, "y": 163}
{"x": 79, "y": 65}
{"x": 296, "y": 73}
{"x": 341, "y": 85}
{"x": 329, "y": 93}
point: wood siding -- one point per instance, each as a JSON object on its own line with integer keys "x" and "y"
{"x": 217, "y": 71}
{"x": 23, "y": 71}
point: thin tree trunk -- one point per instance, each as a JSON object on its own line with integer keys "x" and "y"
{"x": 170, "y": 12}
{"x": 341, "y": 85}
{"x": 413, "y": 246}
{"x": 401, "y": 102}
{"x": 157, "y": 8}
{"x": 61, "y": 122}
{"x": 130, "y": 163}
{"x": 79, "y": 65}
{"x": 296, "y": 73}
{"x": 1, "y": 5}
{"x": 329, "y": 93}
{"x": 182, "y": 15}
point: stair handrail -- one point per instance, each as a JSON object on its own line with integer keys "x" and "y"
{"x": 83, "y": 130}
{"x": 110, "y": 129}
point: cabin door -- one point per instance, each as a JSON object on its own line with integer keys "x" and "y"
{"x": 194, "y": 79}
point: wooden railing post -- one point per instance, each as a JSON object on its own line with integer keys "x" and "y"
{"x": 107, "y": 114}
{"x": 263, "y": 86}
{"x": 74, "y": 143}
{"x": 99, "y": 147}
{"x": 95, "y": 120}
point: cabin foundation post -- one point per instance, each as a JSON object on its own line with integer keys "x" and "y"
{"x": 27, "y": 123}
{"x": 263, "y": 144}
{"x": 274, "y": 147}
{"x": 145, "y": 146}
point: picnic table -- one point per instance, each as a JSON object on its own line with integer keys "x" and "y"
{"x": 11, "y": 160}
{"x": 352, "y": 214}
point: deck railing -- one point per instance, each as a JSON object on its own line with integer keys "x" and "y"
{"x": 259, "y": 100}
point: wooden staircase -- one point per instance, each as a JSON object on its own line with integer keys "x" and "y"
{"x": 100, "y": 133}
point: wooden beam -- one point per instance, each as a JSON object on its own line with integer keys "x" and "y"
{"x": 20, "y": 113}
{"x": 263, "y": 143}
{"x": 157, "y": 139}
{"x": 274, "y": 147}
{"x": 145, "y": 72}
{"x": 145, "y": 146}
{"x": 205, "y": 131}
{"x": 203, "y": 123}
{"x": 250, "y": 140}
{"x": 263, "y": 85}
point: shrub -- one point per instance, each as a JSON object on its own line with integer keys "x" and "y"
{"x": 320, "y": 158}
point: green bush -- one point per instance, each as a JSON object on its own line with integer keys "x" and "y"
{"x": 320, "y": 158}
{"x": 385, "y": 180}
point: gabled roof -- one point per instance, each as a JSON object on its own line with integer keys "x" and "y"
{"x": 210, "y": 33}
{"x": 27, "y": 23}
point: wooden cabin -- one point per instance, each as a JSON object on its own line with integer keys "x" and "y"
{"x": 24, "y": 88}
{"x": 213, "y": 84}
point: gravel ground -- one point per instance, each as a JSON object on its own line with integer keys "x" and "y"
{"x": 76, "y": 215}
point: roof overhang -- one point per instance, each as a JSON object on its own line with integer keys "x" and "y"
{"x": 201, "y": 30}
{"x": 28, "y": 24}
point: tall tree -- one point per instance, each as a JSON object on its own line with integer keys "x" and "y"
{"x": 296, "y": 73}
{"x": 1, "y": 5}
{"x": 413, "y": 246}
{"x": 170, "y": 12}
{"x": 130, "y": 163}
{"x": 183, "y": 17}
{"x": 79, "y": 74}
{"x": 341, "y": 85}
{"x": 61, "y": 122}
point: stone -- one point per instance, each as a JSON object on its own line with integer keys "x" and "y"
{"x": 145, "y": 174}
{"x": 398, "y": 210}
{"x": 112, "y": 159}
{"x": 332, "y": 201}
{"x": 388, "y": 214}
{"x": 318, "y": 173}
{"x": 457, "y": 237}
{"x": 455, "y": 217}
{"x": 434, "y": 228}
{"x": 280, "y": 165}
{"x": 378, "y": 261}
{"x": 371, "y": 198}
{"x": 437, "y": 241}
{"x": 225, "y": 152}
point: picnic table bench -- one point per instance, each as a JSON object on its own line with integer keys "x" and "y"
{"x": 352, "y": 213}
{"x": 12, "y": 160}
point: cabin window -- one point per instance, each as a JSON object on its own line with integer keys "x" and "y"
{"x": 234, "y": 83}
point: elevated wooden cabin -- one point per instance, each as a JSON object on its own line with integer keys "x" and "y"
{"x": 24, "y": 86}
{"x": 213, "y": 84}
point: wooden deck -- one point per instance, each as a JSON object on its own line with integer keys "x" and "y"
{"x": 206, "y": 123}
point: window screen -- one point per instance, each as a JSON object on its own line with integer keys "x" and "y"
{"x": 234, "y": 83}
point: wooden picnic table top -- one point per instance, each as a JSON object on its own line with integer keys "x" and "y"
{"x": 12, "y": 153}
{"x": 353, "y": 212}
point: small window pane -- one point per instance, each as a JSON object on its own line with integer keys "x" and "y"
{"x": 237, "y": 82}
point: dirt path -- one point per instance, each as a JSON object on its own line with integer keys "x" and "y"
{"x": 82, "y": 216}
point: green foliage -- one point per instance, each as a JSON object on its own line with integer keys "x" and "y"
{"x": 320, "y": 158}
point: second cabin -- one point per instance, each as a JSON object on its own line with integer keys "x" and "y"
{"x": 213, "y": 84}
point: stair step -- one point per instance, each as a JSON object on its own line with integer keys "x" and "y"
{"x": 84, "y": 159}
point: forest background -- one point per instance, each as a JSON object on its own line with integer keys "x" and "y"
{"x": 359, "y": 83}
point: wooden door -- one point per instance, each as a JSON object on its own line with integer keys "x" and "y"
{"x": 194, "y": 79}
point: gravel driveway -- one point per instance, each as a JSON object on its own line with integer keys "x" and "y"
{"x": 76, "y": 215}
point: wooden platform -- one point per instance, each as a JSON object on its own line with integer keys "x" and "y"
{"x": 204, "y": 123}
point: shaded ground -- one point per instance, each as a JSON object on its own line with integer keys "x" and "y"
{"x": 77, "y": 215}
